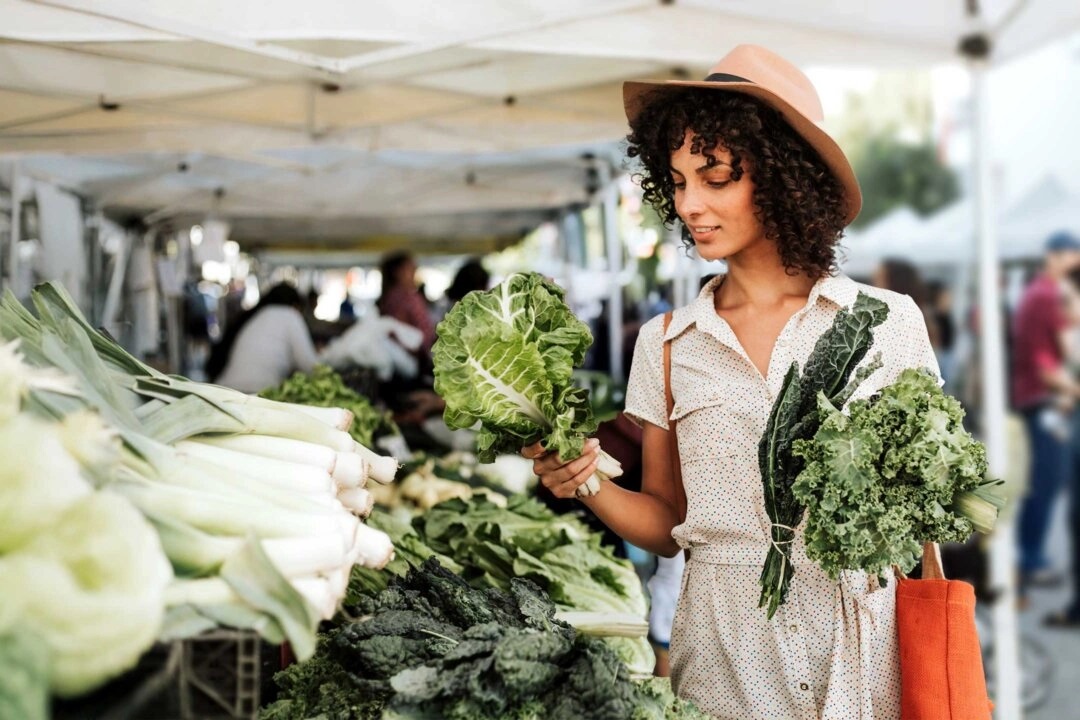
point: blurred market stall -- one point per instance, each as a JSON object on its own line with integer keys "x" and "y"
{"x": 325, "y": 127}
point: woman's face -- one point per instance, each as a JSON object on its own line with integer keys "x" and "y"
{"x": 718, "y": 210}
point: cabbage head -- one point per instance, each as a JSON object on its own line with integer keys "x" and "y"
{"x": 504, "y": 359}
{"x": 90, "y": 589}
{"x": 38, "y": 479}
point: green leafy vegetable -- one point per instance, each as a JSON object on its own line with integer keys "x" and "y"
{"x": 323, "y": 387}
{"x": 432, "y": 646}
{"x": 505, "y": 359}
{"x": 493, "y": 545}
{"x": 794, "y": 417}
{"x": 898, "y": 470}
{"x": 91, "y": 590}
{"x": 24, "y": 674}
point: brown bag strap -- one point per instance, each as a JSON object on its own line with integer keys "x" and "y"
{"x": 673, "y": 439}
{"x": 931, "y": 562}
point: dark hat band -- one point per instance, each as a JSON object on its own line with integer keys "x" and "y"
{"x": 726, "y": 77}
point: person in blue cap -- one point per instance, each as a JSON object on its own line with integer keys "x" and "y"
{"x": 1044, "y": 392}
{"x": 1069, "y": 617}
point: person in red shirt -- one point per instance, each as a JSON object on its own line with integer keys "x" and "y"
{"x": 402, "y": 300}
{"x": 1044, "y": 393}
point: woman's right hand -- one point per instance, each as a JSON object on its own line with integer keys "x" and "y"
{"x": 560, "y": 477}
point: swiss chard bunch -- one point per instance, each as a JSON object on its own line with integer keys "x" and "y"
{"x": 828, "y": 371}
{"x": 895, "y": 471}
{"x": 505, "y": 359}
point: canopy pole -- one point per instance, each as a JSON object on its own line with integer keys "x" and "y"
{"x": 1002, "y": 551}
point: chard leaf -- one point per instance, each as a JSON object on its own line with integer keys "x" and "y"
{"x": 505, "y": 359}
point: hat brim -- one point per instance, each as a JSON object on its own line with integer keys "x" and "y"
{"x": 637, "y": 94}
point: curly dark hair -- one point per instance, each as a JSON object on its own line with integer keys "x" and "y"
{"x": 800, "y": 203}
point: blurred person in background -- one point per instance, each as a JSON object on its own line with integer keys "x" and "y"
{"x": 1045, "y": 394}
{"x": 265, "y": 345}
{"x": 469, "y": 277}
{"x": 412, "y": 399}
{"x": 903, "y": 277}
{"x": 939, "y": 310}
{"x": 402, "y": 300}
{"x": 1069, "y": 617}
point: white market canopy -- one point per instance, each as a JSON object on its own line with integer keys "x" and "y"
{"x": 330, "y": 119}
{"x": 946, "y": 238}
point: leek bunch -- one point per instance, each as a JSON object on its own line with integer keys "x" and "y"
{"x": 257, "y": 504}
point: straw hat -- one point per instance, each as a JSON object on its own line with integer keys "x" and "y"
{"x": 760, "y": 73}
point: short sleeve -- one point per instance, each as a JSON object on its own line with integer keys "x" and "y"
{"x": 645, "y": 400}
{"x": 920, "y": 349}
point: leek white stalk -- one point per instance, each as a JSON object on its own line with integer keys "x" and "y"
{"x": 350, "y": 470}
{"x": 195, "y": 552}
{"x": 223, "y": 514}
{"x": 197, "y": 415}
{"x": 357, "y": 500}
{"x": 319, "y": 593}
{"x": 605, "y": 624}
{"x": 316, "y": 592}
{"x": 203, "y": 476}
{"x": 280, "y": 448}
{"x": 279, "y": 473}
{"x": 607, "y": 467}
{"x": 373, "y": 548}
{"x": 339, "y": 418}
{"x": 380, "y": 468}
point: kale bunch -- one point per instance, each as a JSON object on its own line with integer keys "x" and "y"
{"x": 897, "y": 470}
{"x": 432, "y": 646}
{"x": 829, "y": 371}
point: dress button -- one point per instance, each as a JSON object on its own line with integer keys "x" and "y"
{"x": 793, "y": 628}
{"x": 804, "y": 686}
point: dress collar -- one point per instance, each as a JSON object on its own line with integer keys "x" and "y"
{"x": 838, "y": 289}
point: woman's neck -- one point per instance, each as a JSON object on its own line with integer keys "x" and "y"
{"x": 761, "y": 285}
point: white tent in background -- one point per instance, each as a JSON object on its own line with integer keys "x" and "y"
{"x": 891, "y": 235}
{"x": 1047, "y": 208}
{"x": 946, "y": 238}
{"x": 338, "y": 116}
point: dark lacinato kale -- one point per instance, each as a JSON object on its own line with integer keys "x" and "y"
{"x": 794, "y": 417}
{"x": 320, "y": 687}
{"x": 434, "y": 647}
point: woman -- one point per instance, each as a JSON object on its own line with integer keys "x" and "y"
{"x": 740, "y": 161}
{"x": 267, "y": 344}
{"x": 401, "y": 300}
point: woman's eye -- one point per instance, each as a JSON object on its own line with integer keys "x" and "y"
{"x": 718, "y": 183}
{"x": 678, "y": 185}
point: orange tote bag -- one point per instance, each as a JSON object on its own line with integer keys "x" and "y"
{"x": 941, "y": 669}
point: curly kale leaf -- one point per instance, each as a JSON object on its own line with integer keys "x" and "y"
{"x": 883, "y": 479}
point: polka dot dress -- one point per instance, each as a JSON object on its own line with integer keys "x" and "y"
{"x": 830, "y": 651}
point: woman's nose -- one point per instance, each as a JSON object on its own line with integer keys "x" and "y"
{"x": 688, "y": 203}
